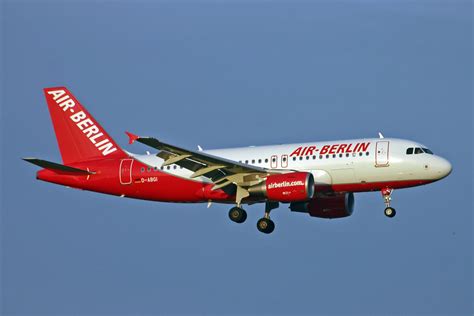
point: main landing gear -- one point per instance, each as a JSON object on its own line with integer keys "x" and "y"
{"x": 264, "y": 225}
{"x": 237, "y": 214}
{"x": 387, "y": 197}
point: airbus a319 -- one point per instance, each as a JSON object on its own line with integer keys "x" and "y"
{"x": 317, "y": 178}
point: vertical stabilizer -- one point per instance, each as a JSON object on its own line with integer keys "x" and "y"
{"x": 80, "y": 137}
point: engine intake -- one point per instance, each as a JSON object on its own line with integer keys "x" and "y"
{"x": 287, "y": 187}
{"x": 327, "y": 206}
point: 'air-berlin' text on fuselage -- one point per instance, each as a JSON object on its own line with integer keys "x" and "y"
{"x": 330, "y": 149}
{"x": 85, "y": 124}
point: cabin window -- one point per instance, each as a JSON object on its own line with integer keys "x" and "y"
{"x": 260, "y": 161}
{"x": 142, "y": 169}
{"x": 246, "y": 161}
{"x": 320, "y": 156}
{"x": 327, "y": 156}
{"x": 301, "y": 158}
{"x": 266, "y": 160}
{"x": 294, "y": 158}
{"x": 314, "y": 157}
{"x": 333, "y": 155}
{"x": 307, "y": 157}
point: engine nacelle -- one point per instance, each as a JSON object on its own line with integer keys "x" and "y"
{"x": 286, "y": 187}
{"x": 327, "y": 206}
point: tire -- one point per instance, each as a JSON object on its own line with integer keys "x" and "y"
{"x": 265, "y": 225}
{"x": 390, "y": 212}
{"x": 237, "y": 215}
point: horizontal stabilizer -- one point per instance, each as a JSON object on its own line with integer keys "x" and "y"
{"x": 56, "y": 166}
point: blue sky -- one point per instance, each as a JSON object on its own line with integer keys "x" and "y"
{"x": 223, "y": 74}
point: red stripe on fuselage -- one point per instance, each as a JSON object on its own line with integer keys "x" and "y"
{"x": 372, "y": 186}
{"x": 172, "y": 188}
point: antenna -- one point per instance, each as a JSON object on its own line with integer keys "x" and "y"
{"x": 380, "y": 135}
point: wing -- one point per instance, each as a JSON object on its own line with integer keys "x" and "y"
{"x": 222, "y": 172}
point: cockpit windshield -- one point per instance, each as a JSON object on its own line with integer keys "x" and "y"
{"x": 418, "y": 150}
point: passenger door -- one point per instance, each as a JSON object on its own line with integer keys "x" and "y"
{"x": 382, "y": 150}
{"x": 125, "y": 172}
{"x": 284, "y": 161}
{"x": 274, "y": 162}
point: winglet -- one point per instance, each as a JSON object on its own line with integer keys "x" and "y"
{"x": 131, "y": 137}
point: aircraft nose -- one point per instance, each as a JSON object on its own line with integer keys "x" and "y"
{"x": 443, "y": 167}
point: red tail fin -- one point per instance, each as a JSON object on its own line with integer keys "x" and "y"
{"x": 80, "y": 137}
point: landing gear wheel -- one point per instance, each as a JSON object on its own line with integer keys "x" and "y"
{"x": 387, "y": 197}
{"x": 238, "y": 215}
{"x": 390, "y": 212}
{"x": 265, "y": 225}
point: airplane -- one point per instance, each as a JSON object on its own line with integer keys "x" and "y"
{"x": 317, "y": 178}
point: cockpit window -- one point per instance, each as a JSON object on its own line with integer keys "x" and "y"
{"x": 418, "y": 150}
{"x": 426, "y": 150}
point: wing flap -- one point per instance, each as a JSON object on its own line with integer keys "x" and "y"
{"x": 200, "y": 158}
{"x": 206, "y": 170}
{"x": 174, "y": 159}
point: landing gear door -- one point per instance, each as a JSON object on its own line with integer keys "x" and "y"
{"x": 125, "y": 172}
{"x": 382, "y": 150}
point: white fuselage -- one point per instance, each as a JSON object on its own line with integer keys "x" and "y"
{"x": 357, "y": 161}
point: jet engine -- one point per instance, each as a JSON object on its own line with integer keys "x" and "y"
{"x": 327, "y": 206}
{"x": 286, "y": 187}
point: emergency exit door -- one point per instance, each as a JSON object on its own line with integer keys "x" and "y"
{"x": 382, "y": 149}
{"x": 125, "y": 173}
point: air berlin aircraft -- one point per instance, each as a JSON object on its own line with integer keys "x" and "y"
{"x": 318, "y": 178}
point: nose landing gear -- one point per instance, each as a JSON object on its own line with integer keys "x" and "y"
{"x": 387, "y": 196}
